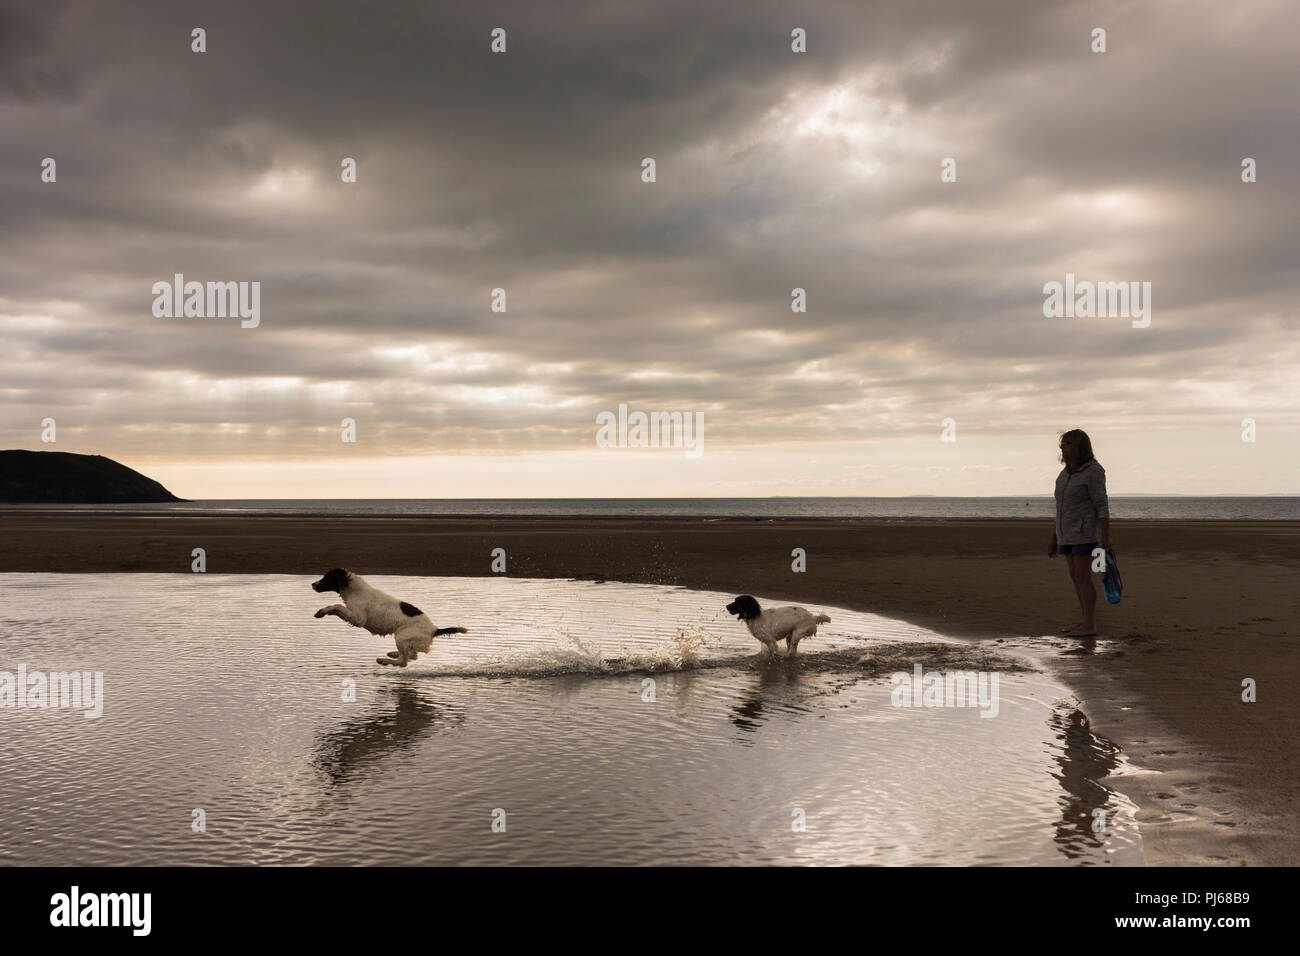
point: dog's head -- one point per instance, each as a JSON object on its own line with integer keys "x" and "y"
{"x": 335, "y": 580}
{"x": 745, "y": 608}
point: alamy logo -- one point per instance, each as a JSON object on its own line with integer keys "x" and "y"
{"x": 211, "y": 300}
{"x": 1087, "y": 300}
{"x": 78, "y": 690}
{"x": 950, "y": 689}
{"x": 103, "y": 909}
{"x": 653, "y": 430}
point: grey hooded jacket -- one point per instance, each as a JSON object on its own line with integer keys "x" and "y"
{"x": 1080, "y": 503}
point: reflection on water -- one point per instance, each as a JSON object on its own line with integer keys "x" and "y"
{"x": 400, "y": 721}
{"x": 224, "y": 694}
{"x": 747, "y": 712}
{"x": 1086, "y": 807}
{"x": 774, "y": 681}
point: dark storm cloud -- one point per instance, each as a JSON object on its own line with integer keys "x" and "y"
{"x": 522, "y": 171}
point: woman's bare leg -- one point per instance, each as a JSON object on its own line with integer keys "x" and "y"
{"x": 1074, "y": 583}
{"x": 1081, "y": 566}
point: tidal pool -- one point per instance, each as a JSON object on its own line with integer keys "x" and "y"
{"x": 577, "y": 723}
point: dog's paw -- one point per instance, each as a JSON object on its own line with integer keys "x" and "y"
{"x": 382, "y": 660}
{"x": 322, "y": 612}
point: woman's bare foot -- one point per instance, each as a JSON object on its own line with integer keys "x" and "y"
{"x": 1071, "y": 629}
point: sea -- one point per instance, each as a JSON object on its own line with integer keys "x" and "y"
{"x": 921, "y": 508}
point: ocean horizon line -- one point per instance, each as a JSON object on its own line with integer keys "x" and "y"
{"x": 1134, "y": 494}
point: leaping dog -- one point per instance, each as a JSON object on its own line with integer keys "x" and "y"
{"x": 380, "y": 613}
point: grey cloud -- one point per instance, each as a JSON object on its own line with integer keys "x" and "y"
{"x": 522, "y": 171}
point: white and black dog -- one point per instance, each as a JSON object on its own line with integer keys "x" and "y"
{"x": 380, "y": 613}
{"x": 790, "y": 624}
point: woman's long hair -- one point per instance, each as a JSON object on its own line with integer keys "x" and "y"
{"x": 1082, "y": 445}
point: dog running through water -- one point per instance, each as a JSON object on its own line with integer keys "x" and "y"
{"x": 383, "y": 614}
{"x": 789, "y": 624}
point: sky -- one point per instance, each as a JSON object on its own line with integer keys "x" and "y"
{"x": 774, "y": 170}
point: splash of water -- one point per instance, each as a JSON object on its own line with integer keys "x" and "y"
{"x": 683, "y": 653}
{"x": 572, "y": 655}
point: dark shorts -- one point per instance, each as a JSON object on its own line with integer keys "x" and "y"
{"x": 1085, "y": 549}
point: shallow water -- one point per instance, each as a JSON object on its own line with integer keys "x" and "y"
{"x": 222, "y": 694}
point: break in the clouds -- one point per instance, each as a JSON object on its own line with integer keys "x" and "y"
{"x": 774, "y": 170}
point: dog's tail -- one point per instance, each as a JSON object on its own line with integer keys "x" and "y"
{"x": 450, "y": 630}
{"x": 822, "y": 619}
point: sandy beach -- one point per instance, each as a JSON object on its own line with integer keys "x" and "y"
{"x": 1207, "y": 604}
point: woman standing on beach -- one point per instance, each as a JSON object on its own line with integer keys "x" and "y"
{"x": 1082, "y": 519}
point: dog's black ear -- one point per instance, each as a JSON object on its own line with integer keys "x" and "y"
{"x": 747, "y": 608}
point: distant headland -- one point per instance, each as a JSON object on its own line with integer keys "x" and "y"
{"x": 66, "y": 478}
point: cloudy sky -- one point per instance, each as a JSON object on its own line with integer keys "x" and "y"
{"x": 775, "y": 170}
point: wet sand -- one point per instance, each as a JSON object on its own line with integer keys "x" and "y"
{"x": 1207, "y": 604}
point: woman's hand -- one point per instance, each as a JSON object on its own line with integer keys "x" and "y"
{"x": 1051, "y": 551}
